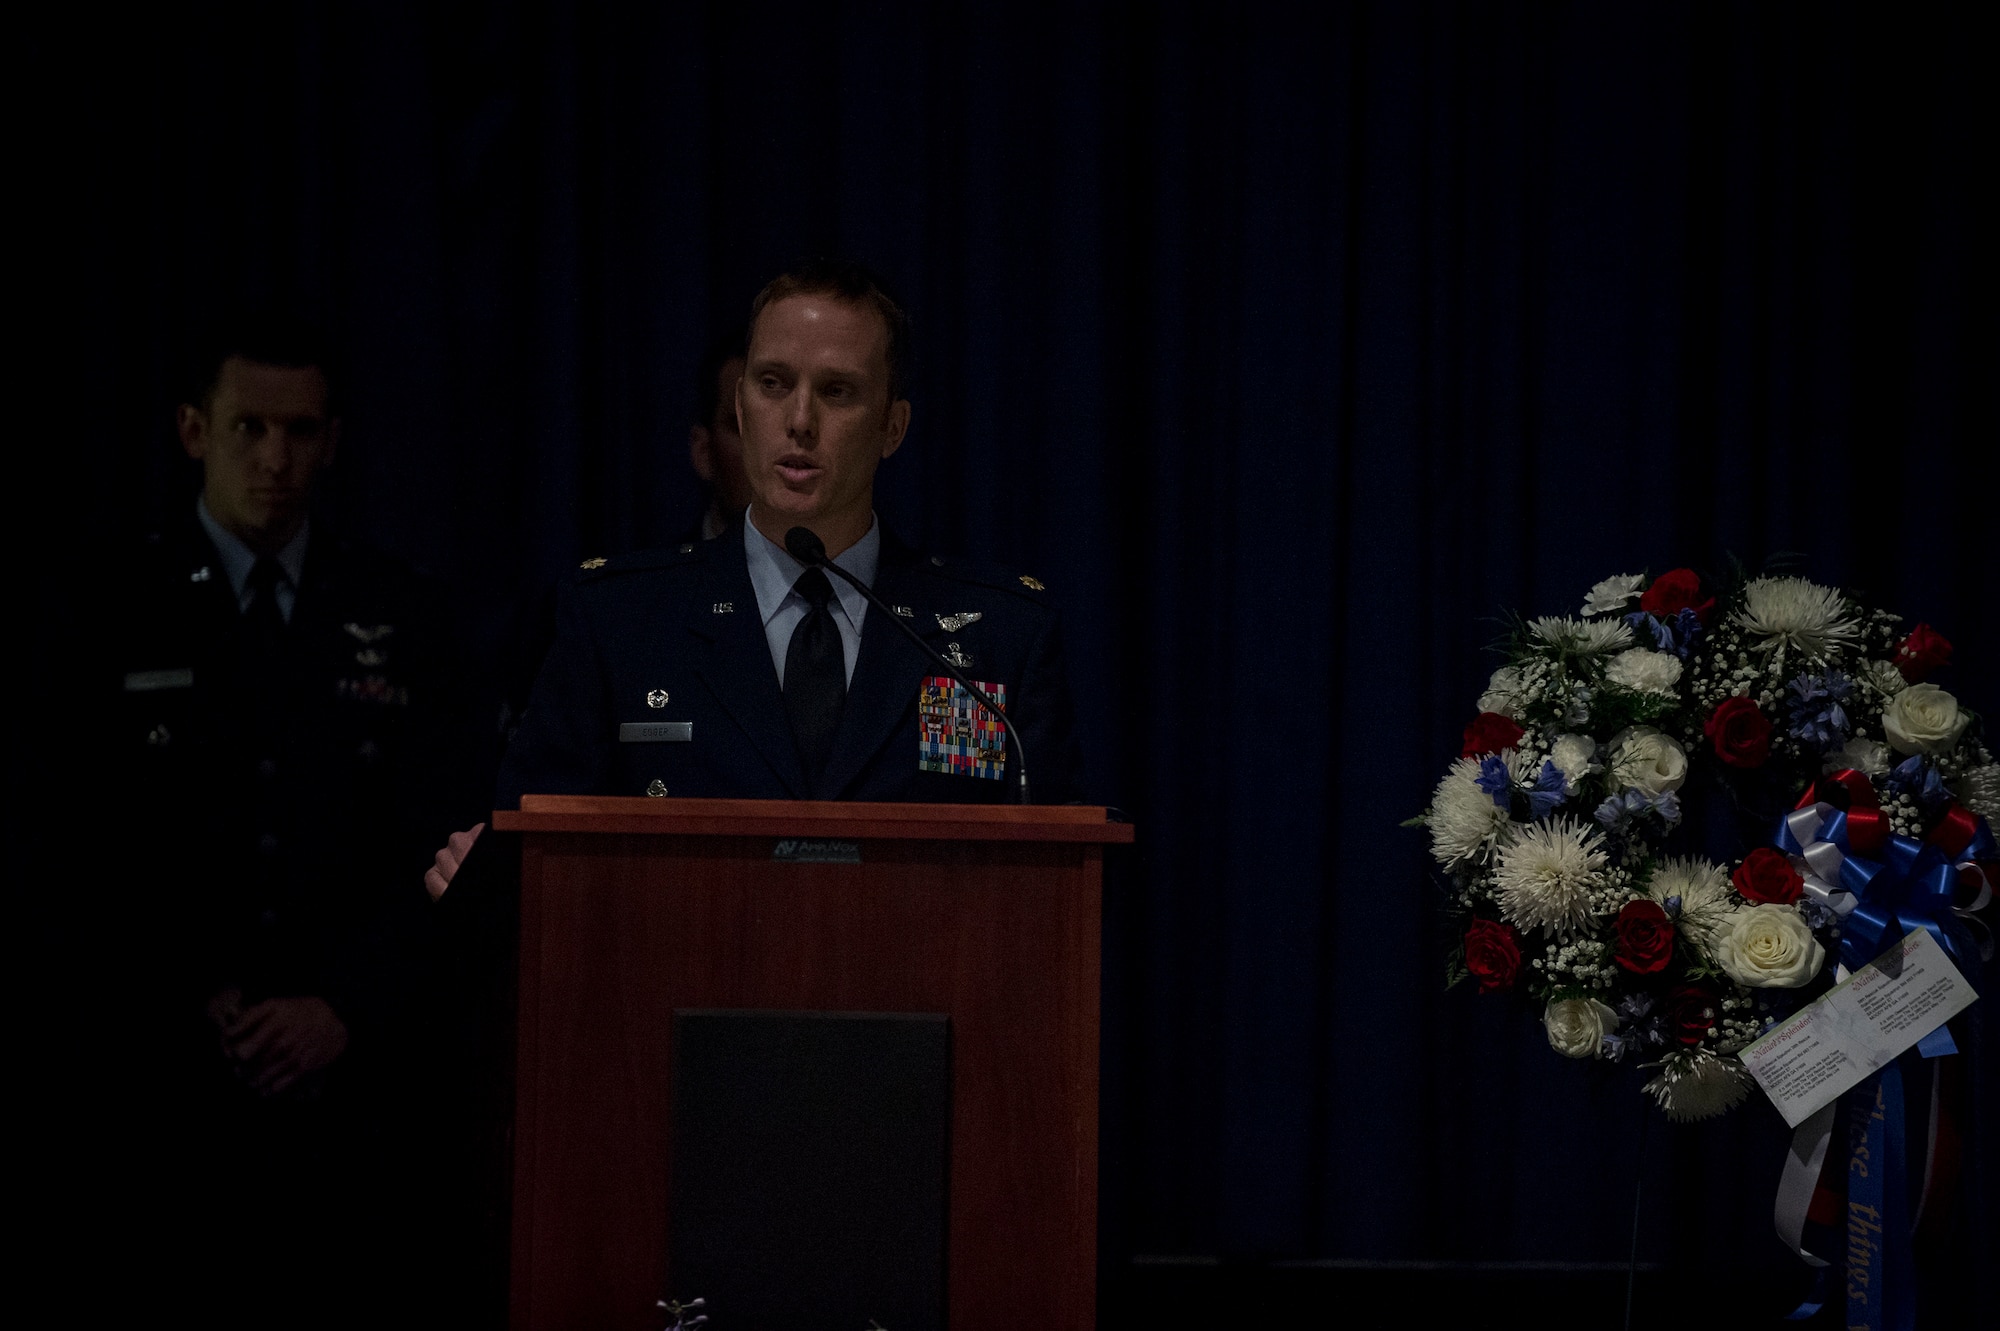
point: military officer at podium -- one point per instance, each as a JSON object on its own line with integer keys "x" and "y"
{"x": 726, "y": 668}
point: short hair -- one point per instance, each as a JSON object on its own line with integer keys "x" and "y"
{"x": 726, "y": 346}
{"x": 848, "y": 281}
{"x": 261, "y": 339}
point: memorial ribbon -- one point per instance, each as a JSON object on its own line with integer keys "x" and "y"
{"x": 1881, "y": 886}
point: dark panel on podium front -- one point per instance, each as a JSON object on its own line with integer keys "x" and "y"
{"x": 809, "y": 1161}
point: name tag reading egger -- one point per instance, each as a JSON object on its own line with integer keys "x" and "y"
{"x": 655, "y": 732}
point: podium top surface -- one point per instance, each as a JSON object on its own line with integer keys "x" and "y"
{"x": 831, "y": 820}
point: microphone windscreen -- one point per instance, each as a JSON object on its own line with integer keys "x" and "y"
{"x": 804, "y": 546}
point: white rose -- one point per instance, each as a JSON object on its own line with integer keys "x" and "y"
{"x": 1863, "y": 755}
{"x": 1503, "y": 693}
{"x": 1614, "y": 593}
{"x": 1577, "y": 1026}
{"x": 1923, "y": 719}
{"x": 1645, "y": 758}
{"x": 1768, "y": 947}
{"x": 1575, "y": 756}
{"x": 1644, "y": 671}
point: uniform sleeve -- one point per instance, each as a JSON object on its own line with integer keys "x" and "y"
{"x": 563, "y": 746}
{"x": 1047, "y": 722}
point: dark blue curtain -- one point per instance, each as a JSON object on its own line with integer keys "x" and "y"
{"x": 1287, "y": 347}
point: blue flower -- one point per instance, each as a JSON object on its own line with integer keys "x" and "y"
{"x": 1495, "y": 779}
{"x": 1813, "y": 712}
{"x": 1676, "y": 633}
{"x": 1551, "y": 787}
{"x": 1918, "y": 777}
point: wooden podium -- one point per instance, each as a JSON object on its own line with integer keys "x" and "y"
{"x": 635, "y": 909}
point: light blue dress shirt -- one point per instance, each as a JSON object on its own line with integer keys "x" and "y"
{"x": 238, "y": 559}
{"x": 772, "y": 573}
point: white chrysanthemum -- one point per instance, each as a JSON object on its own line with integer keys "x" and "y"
{"x": 1696, "y": 1084}
{"x": 1613, "y": 594}
{"x": 1589, "y": 637}
{"x": 1792, "y": 612}
{"x": 1503, "y": 693}
{"x": 1464, "y": 820}
{"x": 1704, "y": 892}
{"x": 1644, "y": 671}
{"x": 1979, "y": 791}
{"x": 1547, "y": 873}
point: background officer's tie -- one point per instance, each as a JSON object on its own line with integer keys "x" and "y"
{"x": 815, "y": 674}
{"x": 263, "y": 618}
{"x": 265, "y": 625}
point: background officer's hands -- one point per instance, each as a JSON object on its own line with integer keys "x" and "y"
{"x": 456, "y": 846}
{"x": 279, "y": 1041}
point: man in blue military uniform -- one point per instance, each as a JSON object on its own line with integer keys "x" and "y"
{"x": 294, "y": 745}
{"x": 727, "y": 668}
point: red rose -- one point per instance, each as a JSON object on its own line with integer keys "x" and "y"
{"x": 1739, "y": 732}
{"x": 1492, "y": 954}
{"x": 1674, "y": 591}
{"x": 1691, "y": 1013}
{"x": 1768, "y": 878}
{"x": 1922, "y": 652}
{"x": 1645, "y": 938}
{"x": 1490, "y": 732}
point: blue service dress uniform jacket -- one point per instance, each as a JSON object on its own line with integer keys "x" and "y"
{"x": 283, "y": 801}
{"x": 661, "y": 682}
{"x": 287, "y": 820}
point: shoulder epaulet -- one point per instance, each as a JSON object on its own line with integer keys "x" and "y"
{"x": 637, "y": 561}
{"x": 987, "y": 575}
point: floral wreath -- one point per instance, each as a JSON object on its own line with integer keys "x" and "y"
{"x": 1552, "y": 825}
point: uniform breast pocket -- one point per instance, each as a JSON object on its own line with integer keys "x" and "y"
{"x": 156, "y": 710}
{"x": 654, "y": 755}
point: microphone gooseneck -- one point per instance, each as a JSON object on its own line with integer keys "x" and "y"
{"x": 806, "y": 547}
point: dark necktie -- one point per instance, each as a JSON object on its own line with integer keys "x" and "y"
{"x": 264, "y": 619}
{"x": 815, "y": 674}
{"x": 265, "y": 626}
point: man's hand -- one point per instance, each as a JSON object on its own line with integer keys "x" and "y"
{"x": 456, "y": 847}
{"x": 279, "y": 1041}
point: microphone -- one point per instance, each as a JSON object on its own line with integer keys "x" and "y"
{"x": 808, "y": 549}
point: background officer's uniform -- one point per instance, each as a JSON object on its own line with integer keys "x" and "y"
{"x": 293, "y": 749}
{"x": 666, "y": 679}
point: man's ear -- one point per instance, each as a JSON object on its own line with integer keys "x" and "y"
{"x": 332, "y": 443}
{"x": 899, "y": 425}
{"x": 701, "y": 452}
{"x": 191, "y": 424}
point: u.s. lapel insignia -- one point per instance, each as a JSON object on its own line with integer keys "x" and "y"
{"x": 956, "y": 655}
{"x": 368, "y": 634}
{"x": 1032, "y": 584}
{"x": 956, "y": 735}
{"x": 904, "y": 611}
{"x": 722, "y": 608}
{"x": 201, "y": 574}
{"x": 656, "y": 699}
{"x": 599, "y": 562}
{"x": 953, "y": 623}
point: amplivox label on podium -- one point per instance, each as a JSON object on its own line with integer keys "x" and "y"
{"x": 808, "y": 850}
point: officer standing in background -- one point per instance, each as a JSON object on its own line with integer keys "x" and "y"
{"x": 291, "y": 737}
{"x": 715, "y": 447}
